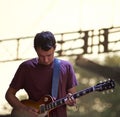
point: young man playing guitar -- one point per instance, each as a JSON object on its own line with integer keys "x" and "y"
{"x": 35, "y": 76}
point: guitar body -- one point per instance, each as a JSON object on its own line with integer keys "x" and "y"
{"x": 35, "y": 104}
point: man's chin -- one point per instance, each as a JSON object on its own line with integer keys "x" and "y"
{"x": 46, "y": 64}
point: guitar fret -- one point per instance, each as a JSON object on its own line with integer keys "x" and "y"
{"x": 61, "y": 102}
{"x": 55, "y": 104}
{"x": 47, "y": 107}
{"x": 58, "y": 102}
{"x": 77, "y": 95}
{"x": 83, "y": 92}
{"x": 51, "y": 105}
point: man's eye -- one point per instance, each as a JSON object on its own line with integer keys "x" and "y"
{"x": 49, "y": 55}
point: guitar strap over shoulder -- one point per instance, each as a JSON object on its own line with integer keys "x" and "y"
{"x": 55, "y": 78}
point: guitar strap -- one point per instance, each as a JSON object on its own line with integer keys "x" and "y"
{"x": 55, "y": 78}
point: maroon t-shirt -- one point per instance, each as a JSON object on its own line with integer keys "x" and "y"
{"x": 36, "y": 79}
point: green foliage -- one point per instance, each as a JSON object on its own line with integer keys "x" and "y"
{"x": 96, "y": 104}
{"x": 113, "y": 60}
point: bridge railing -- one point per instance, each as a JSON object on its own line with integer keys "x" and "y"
{"x": 68, "y": 44}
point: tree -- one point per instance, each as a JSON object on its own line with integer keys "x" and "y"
{"x": 96, "y": 104}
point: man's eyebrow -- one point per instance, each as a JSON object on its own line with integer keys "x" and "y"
{"x": 46, "y": 55}
{"x": 49, "y": 54}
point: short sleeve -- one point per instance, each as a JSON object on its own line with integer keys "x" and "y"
{"x": 72, "y": 81}
{"x": 18, "y": 79}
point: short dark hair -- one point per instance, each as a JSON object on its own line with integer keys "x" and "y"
{"x": 44, "y": 40}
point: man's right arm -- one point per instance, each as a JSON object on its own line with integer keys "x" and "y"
{"x": 12, "y": 99}
{"x": 20, "y": 110}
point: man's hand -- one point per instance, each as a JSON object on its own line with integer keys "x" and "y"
{"x": 70, "y": 100}
{"x": 32, "y": 110}
{"x": 25, "y": 112}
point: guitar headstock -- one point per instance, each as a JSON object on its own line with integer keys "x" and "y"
{"x": 108, "y": 84}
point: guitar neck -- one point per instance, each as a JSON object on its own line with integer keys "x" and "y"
{"x": 61, "y": 101}
{"x": 109, "y": 84}
{"x": 46, "y": 104}
{"x": 83, "y": 92}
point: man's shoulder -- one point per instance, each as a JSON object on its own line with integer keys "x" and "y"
{"x": 64, "y": 62}
{"x": 30, "y": 62}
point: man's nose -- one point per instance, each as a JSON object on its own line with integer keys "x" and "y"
{"x": 46, "y": 59}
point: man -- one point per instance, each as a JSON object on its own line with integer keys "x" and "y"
{"x": 35, "y": 76}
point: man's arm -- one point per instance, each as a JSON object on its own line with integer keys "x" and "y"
{"x": 19, "y": 109}
{"x": 12, "y": 99}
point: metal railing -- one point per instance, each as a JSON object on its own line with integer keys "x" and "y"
{"x": 68, "y": 44}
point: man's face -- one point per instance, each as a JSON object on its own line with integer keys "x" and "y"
{"x": 45, "y": 57}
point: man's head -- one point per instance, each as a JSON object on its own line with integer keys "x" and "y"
{"x": 45, "y": 44}
{"x": 44, "y": 40}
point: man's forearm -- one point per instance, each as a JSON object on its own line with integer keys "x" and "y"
{"x": 12, "y": 99}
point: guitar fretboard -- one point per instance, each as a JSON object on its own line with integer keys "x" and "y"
{"x": 99, "y": 87}
{"x": 61, "y": 101}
